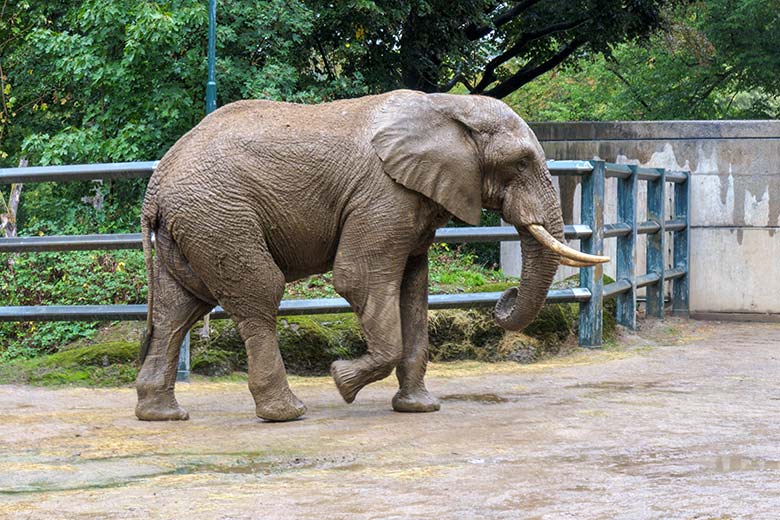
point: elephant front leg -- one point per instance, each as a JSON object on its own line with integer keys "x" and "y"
{"x": 370, "y": 280}
{"x": 381, "y": 322}
{"x": 412, "y": 395}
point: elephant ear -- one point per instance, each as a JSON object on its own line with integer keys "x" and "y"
{"x": 424, "y": 144}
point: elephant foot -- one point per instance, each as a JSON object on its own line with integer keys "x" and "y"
{"x": 346, "y": 378}
{"x": 160, "y": 409}
{"x": 280, "y": 409}
{"x": 417, "y": 401}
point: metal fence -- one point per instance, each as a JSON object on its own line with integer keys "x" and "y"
{"x": 591, "y": 233}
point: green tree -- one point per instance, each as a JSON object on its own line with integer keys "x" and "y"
{"x": 715, "y": 59}
{"x": 116, "y": 80}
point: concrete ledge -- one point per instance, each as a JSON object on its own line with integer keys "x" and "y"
{"x": 736, "y": 316}
{"x": 653, "y": 130}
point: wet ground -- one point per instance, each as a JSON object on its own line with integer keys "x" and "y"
{"x": 688, "y": 428}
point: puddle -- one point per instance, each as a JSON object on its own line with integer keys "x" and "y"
{"x": 615, "y": 386}
{"x": 268, "y": 467}
{"x": 478, "y": 398}
{"x": 732, "y": 463}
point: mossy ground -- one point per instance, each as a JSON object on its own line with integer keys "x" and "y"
{"x": 102, "y": 364}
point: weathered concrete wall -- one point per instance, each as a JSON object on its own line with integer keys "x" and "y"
{"x": 735, "y": 206}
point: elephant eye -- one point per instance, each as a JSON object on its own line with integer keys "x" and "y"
{"x": 522, "y": 164}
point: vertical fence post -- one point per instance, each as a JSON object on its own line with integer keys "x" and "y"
{"x": 183, "y": 372}
{"x": 626, "y": 249}
{"x": 681, "y": 255}
{"x": 656, "y": 243}
{"x": 211, "y": 83}
{"x": 591, "y": 278}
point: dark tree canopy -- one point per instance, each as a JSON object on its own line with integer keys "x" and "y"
{"x": 114, "y": 80}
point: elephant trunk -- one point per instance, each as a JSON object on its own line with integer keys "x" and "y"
{"x": 518, "y": 306}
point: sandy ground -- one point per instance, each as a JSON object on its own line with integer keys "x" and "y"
{"x": 687, "y": 428}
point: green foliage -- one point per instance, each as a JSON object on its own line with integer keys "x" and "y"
{"x": 118, "y": 80}
{"x": 106, "y": 364}
{"x": 715, "y": 60}
{"x": 64, "y": 278}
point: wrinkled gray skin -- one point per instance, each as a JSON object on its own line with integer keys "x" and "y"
{"x": 261, "y": 193}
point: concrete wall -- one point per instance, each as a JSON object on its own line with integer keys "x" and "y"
{"x": 735, "y": 206}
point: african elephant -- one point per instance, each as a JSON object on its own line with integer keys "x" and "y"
{"x": 261, "y": 193}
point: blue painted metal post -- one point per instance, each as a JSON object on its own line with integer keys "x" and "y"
{"x": 681, "y": 254}
{"x": 211, "y": 85}
{"x": 626, "y": 249}
{"x": 183, "y": 372}
{"x": 656, "y": 244}
{"x": 591, "y": 278}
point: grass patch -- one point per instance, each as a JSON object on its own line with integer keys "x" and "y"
{"x": 102, "y": 364}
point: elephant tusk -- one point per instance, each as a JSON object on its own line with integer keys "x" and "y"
{"x": 547, "y": 240}
{"x": 574, "y": 263}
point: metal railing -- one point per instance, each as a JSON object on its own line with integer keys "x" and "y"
{"x": 591, "y": 233}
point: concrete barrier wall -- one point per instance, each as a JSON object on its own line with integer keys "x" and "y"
{"x": 735, "y": 200}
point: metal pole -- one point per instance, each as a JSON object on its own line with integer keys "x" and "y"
{"x": 656, "y": 244}
{"x": 211, "y": 85}
{"x": 591, "y": 278}
{"x": 681, "y": 256}
{"x": 626, "y": 249}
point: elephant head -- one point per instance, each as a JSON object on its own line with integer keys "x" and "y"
{"x": 472, "y": 152}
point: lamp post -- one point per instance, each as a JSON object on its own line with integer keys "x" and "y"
{"x": 211, "y": 85}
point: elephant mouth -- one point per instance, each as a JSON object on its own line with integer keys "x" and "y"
{"x": 569, "y": 256}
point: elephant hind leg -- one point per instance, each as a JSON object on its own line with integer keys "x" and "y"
{"x": 249, "y": 285}
{"x": 175, "y": 310}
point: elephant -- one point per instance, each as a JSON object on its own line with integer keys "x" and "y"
{"x": 261, "y": 193}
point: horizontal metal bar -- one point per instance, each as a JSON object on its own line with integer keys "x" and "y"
{"x": 615, "y": 288}
{"x": 70, "y": 243}
{"x": 646, "y": 279}
{"x": 621, "y": 171}
{"x": 647, "y": 174}
{"x": 133, "y": 240}
{"x": 577, "y": 231}
{"x": 648, "y": 227}
{"x": 77, "y": 172}
{"x": 287, "y": 307}
{"x": 676, "y": 176}
{"x": 674, "y": 225}
{"x": 569, "y": 167}
{"x": 501, "y": 233}
{"x": 616, "y": 230}
{"x": 678, "y": 272}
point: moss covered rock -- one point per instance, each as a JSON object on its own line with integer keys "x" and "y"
{"x": 102, "y": 364}
{"x": 309, "y": 344}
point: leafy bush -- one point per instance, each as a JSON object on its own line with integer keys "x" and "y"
{"x": 74, "y": 278}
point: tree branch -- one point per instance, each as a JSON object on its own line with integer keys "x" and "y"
{"x": 528, "y": 72}
{"x": 630, "y": 88}
{"x": 328, "y": 68}
{"x": 488, "y": 75}
{"x": 697, "y": 98}
{"x": 475, "y": 33}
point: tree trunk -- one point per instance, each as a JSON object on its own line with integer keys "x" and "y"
{"x": 8, "y": 219}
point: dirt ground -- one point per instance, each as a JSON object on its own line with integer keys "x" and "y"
{"x": 683, "y": 426}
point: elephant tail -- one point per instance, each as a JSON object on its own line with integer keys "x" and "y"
{"x": 146, "y": 235}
